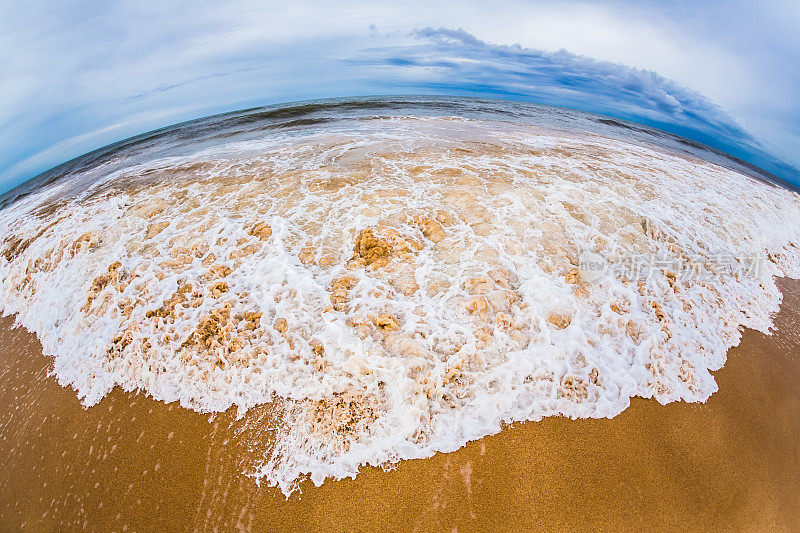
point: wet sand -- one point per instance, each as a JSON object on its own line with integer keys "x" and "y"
{"x": 131, "y": 463}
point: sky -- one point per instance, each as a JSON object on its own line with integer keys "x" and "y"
{"x": 78, "y": 75}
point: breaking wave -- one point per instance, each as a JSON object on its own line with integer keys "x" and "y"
{"x": 400, "y": 285}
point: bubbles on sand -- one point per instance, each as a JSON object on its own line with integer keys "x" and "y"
{"x": 399, "y": 286}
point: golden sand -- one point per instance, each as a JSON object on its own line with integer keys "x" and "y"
{"x": 131, "y": 463}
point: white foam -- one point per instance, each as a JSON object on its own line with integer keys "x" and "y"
{"x": 228, "y": 278}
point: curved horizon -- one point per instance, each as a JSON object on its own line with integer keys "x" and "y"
{"x": 10, "y": 195}
{"x": 684, "y": 72}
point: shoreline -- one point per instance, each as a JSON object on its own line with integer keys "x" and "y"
{"x": 132, "y": 461}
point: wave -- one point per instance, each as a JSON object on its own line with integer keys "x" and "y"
{"x": 400, "y": 285}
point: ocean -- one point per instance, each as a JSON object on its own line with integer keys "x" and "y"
{"x": 396, "y": 277}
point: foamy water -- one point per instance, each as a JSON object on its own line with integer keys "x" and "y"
{"x": 400, "y": 285}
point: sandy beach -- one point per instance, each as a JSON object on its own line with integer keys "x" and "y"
{"x": 131, "y": 463}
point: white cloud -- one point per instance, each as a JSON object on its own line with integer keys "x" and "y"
{"x": 69, "y": 68}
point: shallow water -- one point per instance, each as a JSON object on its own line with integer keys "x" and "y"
{"x": 396, "y": 286}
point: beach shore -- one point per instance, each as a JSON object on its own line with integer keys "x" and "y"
{"x": 132, "y": 463}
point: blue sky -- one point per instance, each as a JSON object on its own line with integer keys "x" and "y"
{"x": 75, "y": 76}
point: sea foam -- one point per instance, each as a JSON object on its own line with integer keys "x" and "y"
{"x": 400, "y": 286}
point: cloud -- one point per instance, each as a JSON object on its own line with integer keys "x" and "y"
{"x": 453, "y": 60}
{"x": 76, "y": 76}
